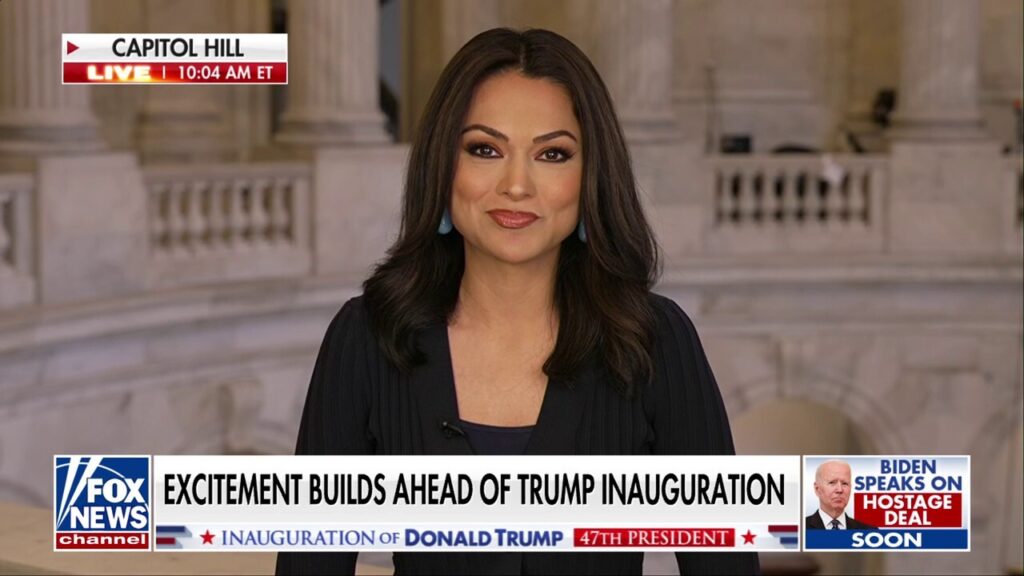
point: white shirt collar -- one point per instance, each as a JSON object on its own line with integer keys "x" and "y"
{"x": 827, "y": 520}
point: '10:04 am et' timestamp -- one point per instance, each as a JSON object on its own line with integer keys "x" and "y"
{"x": 177, "y": 73}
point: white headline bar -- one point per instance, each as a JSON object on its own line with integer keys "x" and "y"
{"x": 128, "y": 48}
{"x": 452, "y": 503}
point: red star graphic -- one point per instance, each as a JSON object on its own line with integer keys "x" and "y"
{"x": 748, "y": 538}
{"x": 208, "y": 538}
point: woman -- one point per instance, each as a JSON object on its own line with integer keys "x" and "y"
{"x": 513, "y": 315}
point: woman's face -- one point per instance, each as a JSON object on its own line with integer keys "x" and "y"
{"x": 516, "y": 192}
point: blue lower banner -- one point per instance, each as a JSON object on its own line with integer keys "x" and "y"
{"x": 933, "y": 539}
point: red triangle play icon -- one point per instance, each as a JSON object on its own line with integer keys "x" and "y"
{"x": 71, "y": 47}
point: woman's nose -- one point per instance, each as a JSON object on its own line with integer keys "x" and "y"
{"x": 518, "y": 182}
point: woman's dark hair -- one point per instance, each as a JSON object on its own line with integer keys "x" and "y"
{"x": 601, "y": 287}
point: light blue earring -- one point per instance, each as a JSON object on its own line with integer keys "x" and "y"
{"x": 581, "y": 231}
{"x": 446, "y": 223}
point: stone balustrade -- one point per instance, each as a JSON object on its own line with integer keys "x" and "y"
{"x": 797, "y": 204}
{"x": 228, "y": 222}
{"x": 84, "y": 228}
{"x": 16, "y": 279}
{"x": 211, "y": 224}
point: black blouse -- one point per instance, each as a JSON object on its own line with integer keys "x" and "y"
{"x": 489, "y": 440}
{"x": 360, "y": 403}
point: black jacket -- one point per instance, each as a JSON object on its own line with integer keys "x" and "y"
{"x": 359, "y": 403}
{"x": 813, "y": 522}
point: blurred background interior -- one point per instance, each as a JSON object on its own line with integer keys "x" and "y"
{"x": 836, "y": 185}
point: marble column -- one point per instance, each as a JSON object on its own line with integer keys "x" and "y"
{"x": 938, "y": 89}
{"x": 333, "y": 89}
{"x": 185, "y": 123}
{"x": 694, "y": 96}
{"x": 631, "y": 45}
{"x": 463, "y": 19}
{"x": 39, "y": 115}
{"x": 871, "y": 42}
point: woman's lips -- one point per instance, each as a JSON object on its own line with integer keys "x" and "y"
{"x": 511, "y": 219}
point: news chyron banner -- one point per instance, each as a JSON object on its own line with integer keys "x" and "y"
{"x": 476, "y": 503}
{"x": 174, "y": 58}
{"x": 880, "y": 503}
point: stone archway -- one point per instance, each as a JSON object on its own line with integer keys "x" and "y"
{"x": 781, "y": 426}
{"x": 1011, "y": 526}
{"x": 910, "y": 393}
{"x": 855, "y": 406}
{"x": 996, "y": 492}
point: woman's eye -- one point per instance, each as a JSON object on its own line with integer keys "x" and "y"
{"x": 555, "y": 155}
{"x": 483, "y": 150}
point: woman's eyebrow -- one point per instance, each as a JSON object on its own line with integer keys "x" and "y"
{"x": 553, "y": 135}
{"x": 542, "y": 138}
{"x": 486, "y": 129}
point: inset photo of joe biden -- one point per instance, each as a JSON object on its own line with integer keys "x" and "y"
{"x": 833, "y": 485}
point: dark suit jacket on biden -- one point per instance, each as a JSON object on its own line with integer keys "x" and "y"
{"x": 359, "y": 403}
{"x": 813, "y": 522}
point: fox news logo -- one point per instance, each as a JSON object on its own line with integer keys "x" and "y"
{"x": 101, "y": 502}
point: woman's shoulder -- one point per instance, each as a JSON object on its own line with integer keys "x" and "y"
{"x": 669, "y": 317}
{"x": 675, "y": 336}
{"x": 354, "y": 309}
{"x": 350, "y": 321}
{"x": 685, "y": 405}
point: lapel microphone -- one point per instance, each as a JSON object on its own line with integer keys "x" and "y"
{"x": 451, "y": 430}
